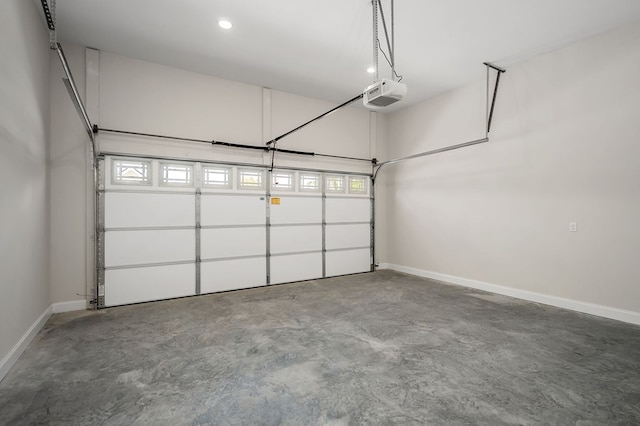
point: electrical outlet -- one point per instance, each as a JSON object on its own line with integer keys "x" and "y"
{"x": 573, "y": 226}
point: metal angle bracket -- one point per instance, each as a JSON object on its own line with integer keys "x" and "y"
{"x": 70, "y": 84}
{"x": 50, "y": 17}
{"x": 47, "y": 15}
{"x": 500, "y": 71}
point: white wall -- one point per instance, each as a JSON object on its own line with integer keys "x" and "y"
{"x": 24, "y": 123}
{"x": 565, "y": 147}
{"x": 150, "y": 98}
{"x": 135, "y": 95}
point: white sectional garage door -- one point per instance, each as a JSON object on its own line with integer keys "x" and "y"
{"x": 173, "y": 229}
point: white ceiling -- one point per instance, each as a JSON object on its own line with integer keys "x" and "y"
{"x": 322, "y": 48}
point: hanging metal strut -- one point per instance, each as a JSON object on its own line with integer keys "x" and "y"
{"x": 495, "y": 91}
{"x": 379, "y": 166}
{"x": 69, "y": 82}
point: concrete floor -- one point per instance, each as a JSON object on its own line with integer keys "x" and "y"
{"x": 379, "y": 349}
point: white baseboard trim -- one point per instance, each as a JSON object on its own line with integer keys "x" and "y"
{"x": 73, "y": 305}
{"x": 55, "y": 308}
{"x": 559, "y": 302}
{"x": 10, "y": 359}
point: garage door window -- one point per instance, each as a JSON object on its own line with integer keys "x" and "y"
{"x": 357, "y": 185}
{"x": 131, "y": 172}
{"x": 334, "y": 183}
{"x": 250, "y": 179}
{"x": 176, "y": 174}
{"x": 310, "y": 182}
{"x": 283, "y": 181}
{"x": 217, "y": 177}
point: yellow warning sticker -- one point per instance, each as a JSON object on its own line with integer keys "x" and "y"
{"x": 275, "y": 200}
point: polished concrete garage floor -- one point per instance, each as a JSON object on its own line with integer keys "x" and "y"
{"x": 377, "y": 349}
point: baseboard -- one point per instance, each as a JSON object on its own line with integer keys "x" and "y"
{"x": 73, "y": 305}
{"x": 55, "y": 308}
{"x": 10, "y": 359}
{"x": 559, "y": 302}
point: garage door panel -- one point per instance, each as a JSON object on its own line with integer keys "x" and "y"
{"x": 154, "y": 249}
{"x": 233, "y": 210}
{"x": 290, "y": 239}
{"x": 348, "y": 210}
{"x": 296, "y": 210}
{"x": 232, "y": 242}
{"x": 297, "y": 267}
{"x": 134, "y": 285}
{"x": 348, "y": 262}
{"x": 149, "y": 246}
{"x": 131, "y": 210}
{"x": 233, "y": 274}
{"x": 348, "y": 236}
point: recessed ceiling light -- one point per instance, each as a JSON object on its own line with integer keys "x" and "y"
{"x": 371, "y": 70}
{"x": 225, "y": 24}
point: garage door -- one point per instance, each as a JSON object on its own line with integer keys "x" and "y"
{"x": 172, "y": 228}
